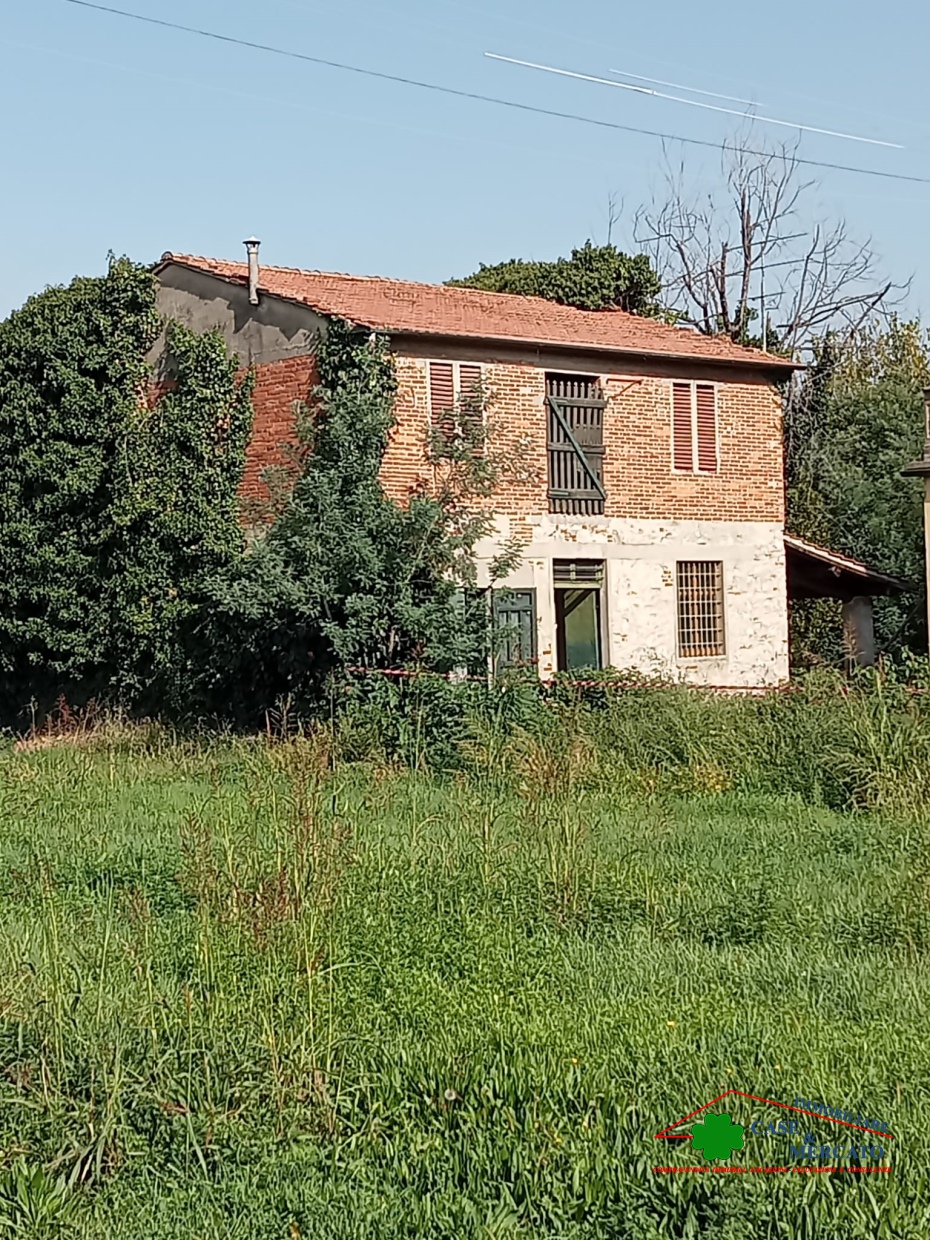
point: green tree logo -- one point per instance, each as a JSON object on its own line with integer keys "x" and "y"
{"x": 717, "y": 1137}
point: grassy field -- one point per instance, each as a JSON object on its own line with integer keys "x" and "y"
{"x": 250, "y": 991}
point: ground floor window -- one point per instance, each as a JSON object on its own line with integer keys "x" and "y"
{"x": 579, "y": 613}
{"x": 700, "y": 609}
{"x": 514, "y": 616}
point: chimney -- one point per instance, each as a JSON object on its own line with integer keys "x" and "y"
{"x": 252, "y": 247}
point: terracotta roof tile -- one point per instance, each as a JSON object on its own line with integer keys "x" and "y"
{"x": 402, "y": 306}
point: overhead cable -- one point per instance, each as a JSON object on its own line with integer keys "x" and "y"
{"x": 465, "y": 94}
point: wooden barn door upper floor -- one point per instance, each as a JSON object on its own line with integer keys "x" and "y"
{"x": 575, "y": 406}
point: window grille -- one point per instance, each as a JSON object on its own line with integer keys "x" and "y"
{"x": 694, "y": 428}
{"x": 700, "y": 609}
{"x": 576, "y": 444}
{"x": 585, "y": 572}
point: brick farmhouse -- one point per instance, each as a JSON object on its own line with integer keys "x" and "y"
{"x": 648, "y": 481}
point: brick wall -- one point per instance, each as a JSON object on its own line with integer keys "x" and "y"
{"x": 277, "y": 386}
{"x": 638, "y": 475}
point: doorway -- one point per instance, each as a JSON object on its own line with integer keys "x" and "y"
{"x": 579, "y": 613}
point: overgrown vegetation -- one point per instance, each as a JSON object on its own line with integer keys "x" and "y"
{"x": 313, "y": 988}
{"x": 126, "y": 578}
{"x": 345, "y": 576}
{"x": 114, "y": 510}
{"x": 856, "y": 421}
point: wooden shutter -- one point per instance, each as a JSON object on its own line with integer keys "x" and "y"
{"x": 706, "y": 402}
{"x": 470, "y": 404}
{"x": 576, "y": 444}
{"x": 470, "y": 387}
{"x": 682, "y": 438}
{"x": 442, "y": 397}
{"x": 515, "y": 621}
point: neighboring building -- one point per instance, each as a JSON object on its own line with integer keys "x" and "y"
{"x": 649, "y": 481}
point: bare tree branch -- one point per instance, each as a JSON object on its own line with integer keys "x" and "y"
{"x": 801, "y": 275}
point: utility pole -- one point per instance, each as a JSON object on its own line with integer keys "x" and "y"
{"x": 764, "y": 311}
{"x": 921, "y": 469}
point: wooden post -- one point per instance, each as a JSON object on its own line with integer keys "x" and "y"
{"x": 859, "y": 632}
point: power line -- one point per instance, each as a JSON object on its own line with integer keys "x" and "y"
{"x": 694, "y": 103}
{"x": 464, "y": 94}
{"x": 483, "y": 143}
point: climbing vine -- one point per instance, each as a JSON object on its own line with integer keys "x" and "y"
{"x": 123, "y": 570}
{"x": 114, "y": 508}
{"x": 345, "y": 577}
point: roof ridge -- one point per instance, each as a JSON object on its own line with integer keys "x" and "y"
{"x": 452, "y": 290}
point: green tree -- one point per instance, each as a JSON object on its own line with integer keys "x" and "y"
{"x": 856, "y": 420}
{"x": 594, "y": 278}
{"x": 71, "y": 371}
{"x": 344, "y": 576}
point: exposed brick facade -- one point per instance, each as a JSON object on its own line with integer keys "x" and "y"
{"x": 638, "y": 474}
{"x": 277, "y": 386}
{"x": 654, "y": 518}
{"x": 636, "y": 360}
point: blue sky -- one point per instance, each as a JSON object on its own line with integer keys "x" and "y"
{"x": 120, "y": 136}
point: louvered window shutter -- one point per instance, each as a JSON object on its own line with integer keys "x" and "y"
{"x": 442, "y": 397}
{"x": 470, "y": 385}
{"x": 682, "y": 441}
{"x": 470, "y": 392}
{"x": 471, "y": 410}
{"x": 707, "y": 428}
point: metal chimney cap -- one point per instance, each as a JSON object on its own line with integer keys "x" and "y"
{"x": 252, "y": 241}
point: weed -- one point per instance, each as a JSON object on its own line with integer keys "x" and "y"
{"x": 248, "y": 985}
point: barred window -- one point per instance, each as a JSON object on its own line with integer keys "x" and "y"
{"x": 700, "y": 609}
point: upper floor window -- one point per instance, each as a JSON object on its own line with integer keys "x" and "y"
{"x": 456, "y": 401}
{"x": 694, "y": 428}
{"x": 576, "y": 407}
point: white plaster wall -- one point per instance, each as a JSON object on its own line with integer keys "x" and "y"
{"x": 641, "y": 621}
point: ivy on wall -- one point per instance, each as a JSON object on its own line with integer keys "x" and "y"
{"x": 345, "y": 576}
{"x": 176, "y": 516}
{"x": 124, "y": 574}
{"x": 112, "y": 512}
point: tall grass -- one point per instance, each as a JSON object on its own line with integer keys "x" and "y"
{"x": 310, "y": 989}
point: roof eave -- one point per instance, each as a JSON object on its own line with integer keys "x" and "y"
{"x": 842, "y": 564}
{"x": 579, "y": 346}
